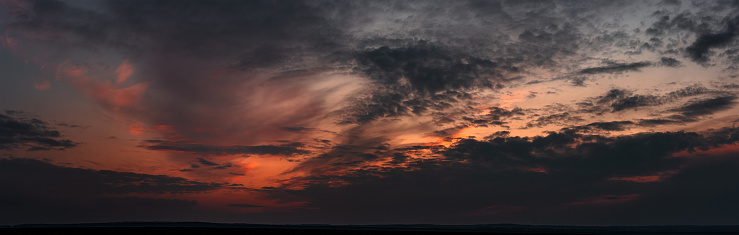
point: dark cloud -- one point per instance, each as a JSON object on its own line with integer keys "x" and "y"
{"x": 49, "y": 179}
{"x": 689, "y": 91}
{"x": 707, "y": 106}
{"x": 243, "y": 205}
{"x": 496, "y": 116}
{"x": 84, "y": 195}
{"x": 284, "y": 149}
{"x": 399, "y": 158}
{"x": 698, "y": 51}
{"x": 239, "y": 40}
{"x": 683, "y": 21}
{"x": 71, "y": 125}
{"x": 607, "y": 126}
{"x": 206, "y": 162}
{"x": 254, "y": 27}
{"x": 355, "y": 149}
{"x": 554, "y": 119}
{"x": 655, "y": 122}
{"x": 669, "y": 62}
{"x": 635, "y": 101}
{"x": 418, "y": 78}
{"x": 254, "y": 71}
{"x": 427, "y": 69}
{"x": 614, "y": 67}
{"x": 577, "y": 173}
{"x": 224, "y": 166}
{"x": 296, "y": 129}
{"x": 616, "y": 100}
{"x": 32, "y": 133}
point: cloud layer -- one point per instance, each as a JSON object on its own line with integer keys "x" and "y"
{"x": 544, "y": 112}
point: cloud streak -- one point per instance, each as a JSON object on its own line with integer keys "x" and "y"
{"x": 32, "y": 133}
{"x": 284, "y": 149}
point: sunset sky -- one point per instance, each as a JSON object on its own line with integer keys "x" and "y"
{"x": 370, "y": 112}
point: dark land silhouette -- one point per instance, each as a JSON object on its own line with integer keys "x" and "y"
{"x": 230, "y": 228}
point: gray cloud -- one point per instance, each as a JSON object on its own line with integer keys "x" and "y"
{"x": 616, "y": 67}
{"x": 669, "y": 62}
{"x": 16, "y": 131}
{"x": 617, "y": 100}
{"x": 206, "y": 162}
{"x": 707, "y": 106}
{"x": 284, "y": 149}
{"x": 554, "y": 119}
{"x": 83, "y": 195}
{"x": 419, "y": 78}
{"x": 606, "y": 126}
{"x": 49, "y": 179}
{"x": 699, "y": 50}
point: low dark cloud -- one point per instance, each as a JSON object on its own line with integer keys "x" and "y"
{"x": 614, "y": 67}
{"x": 206, "y": 162}
{"x": 85, "y": 195}
{"x": 31, "y": 133}
{"x": 356, "y": 149}
{"x": 244, "y": 205}
{"x": 283, "y": 149}
{"x": 49, "y": 179}
{"x": 580, "y": 174}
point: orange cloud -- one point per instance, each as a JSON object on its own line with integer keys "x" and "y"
{"x": 512, "y": 98}
{"x": 732, "y": 148}
{"x": 45, "y": 85}
{"x": 124, "y": 71}
{"x": 136, "y": 128}
{"x": 104, "y": 92}
{"x": 8, "y": 42}
{"x": 647, "y": 178}
{"x": 539, "y": 170}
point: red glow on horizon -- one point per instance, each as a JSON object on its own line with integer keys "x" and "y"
{"x": 136, "y": 128}
{"x": 605, "y": 199}
{"x": 725, "y": 149}
{"x": 647, "y": 178}
{"x": 539, "y": 170}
